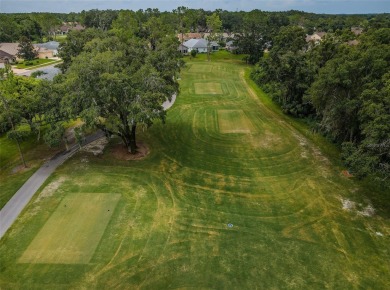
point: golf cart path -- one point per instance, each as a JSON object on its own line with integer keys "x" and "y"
{"x": 10, "y": 212}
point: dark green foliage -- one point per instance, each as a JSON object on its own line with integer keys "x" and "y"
{"x": 254, "y": 36}
{"x": 193, "y": 53}
{"x": 26, "y": 50}
{"x": 345, "y": 88}
{"x": 286, "y": 74}
{"x": 37, "y": 73}
{"x": 117, "y": 85}
{"x": 54, "y": 136}
{"x": 100, "y": 19}
{"x": 74, "y": 45}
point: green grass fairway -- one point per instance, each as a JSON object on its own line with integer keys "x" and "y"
{"x": 208, "y": 88}
{"x": 200, "y": 68}
{"x": 233, "y": 121}
{"x": 296, "y": 221}
{"x": 73, "y": 231}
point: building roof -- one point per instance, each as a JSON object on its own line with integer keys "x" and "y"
{"x": 357, "y": 30}
{"x": 187, "y": 36}
{"x": 5, "y": 55}
{"x": 353, "y": 42}
{"x": 315, "y": 36}
{"x": 199, "y": 43}
{"x": 51, "y": 45}
{"x": 67, "y": 26}
{"x": 320, "y": 34}
{"x": 196, "y": 43}
{"x": 10, "y": 47}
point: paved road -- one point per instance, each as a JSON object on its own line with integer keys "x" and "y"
{"x": 10, "y": 212}
{"x": 50, "y": 72}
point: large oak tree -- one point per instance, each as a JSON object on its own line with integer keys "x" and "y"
{"x": 117, "y": 85}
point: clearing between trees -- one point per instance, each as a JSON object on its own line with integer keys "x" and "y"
{"x": 231, "y": 196}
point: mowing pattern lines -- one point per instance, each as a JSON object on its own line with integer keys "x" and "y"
{"x": 233, "y": 121}
{"x": 208, "y": 88}
{"x": 230, "y": 197}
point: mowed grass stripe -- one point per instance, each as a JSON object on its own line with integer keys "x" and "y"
{"x": 233, "y": 121}
{"x": 73, "y": 231}
{"x": 208, "y": 88}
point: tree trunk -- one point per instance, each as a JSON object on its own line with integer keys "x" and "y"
{"x": 133, "y": 144}
{"x": 13, "y": 128}
{"x": 21, "y": 154}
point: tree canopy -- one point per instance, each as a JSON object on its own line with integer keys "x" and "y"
{"x": 117, "y": 85}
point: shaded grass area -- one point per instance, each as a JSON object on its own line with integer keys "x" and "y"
{"x": 12, "y": 172}
{"x": 281, "y": 192}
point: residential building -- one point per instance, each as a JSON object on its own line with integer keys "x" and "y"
{"x": 200, "y": 45}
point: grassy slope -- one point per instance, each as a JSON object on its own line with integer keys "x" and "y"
{"x": 169, "y": 231}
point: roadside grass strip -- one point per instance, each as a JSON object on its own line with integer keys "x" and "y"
{"x": 73, "y": 231}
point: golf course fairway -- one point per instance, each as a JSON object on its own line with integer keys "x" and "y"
{"x": 231, "y": 196}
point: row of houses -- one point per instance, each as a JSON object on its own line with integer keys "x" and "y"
{"x": 66, "y": 27}
{"x": 9, "y": 50}
{"x": 317, "y": 37}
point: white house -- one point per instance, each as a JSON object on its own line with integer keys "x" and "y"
{"x": 200, "y": 45}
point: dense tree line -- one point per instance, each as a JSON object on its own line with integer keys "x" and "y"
{"x": 342, "y": 88}
{"x": 37, "y": 25}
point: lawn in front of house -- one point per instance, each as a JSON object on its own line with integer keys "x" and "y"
{"x": 35, "y": 63}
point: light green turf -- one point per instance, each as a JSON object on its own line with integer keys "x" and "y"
{"x": 233, "y": 121}
{"x": 73, "y": 231}
{"x": 208, "y": 88}
{"x": 280, "y": 192}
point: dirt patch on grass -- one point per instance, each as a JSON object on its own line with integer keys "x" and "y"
{"x": 20, "y": 169}
{"x": 363, "y": 210}
{"x": 119, "y": 151}
{"x": 346, "y": 173}
{"x": 50, "y": 189}
{"x": 265, "y": 140}
{"x": 96, "y": 147}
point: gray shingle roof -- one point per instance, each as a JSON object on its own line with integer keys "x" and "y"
{"x": 52, "y": 45}
{"x": 196, "y": 43}
{"x": 199, "y": 43}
